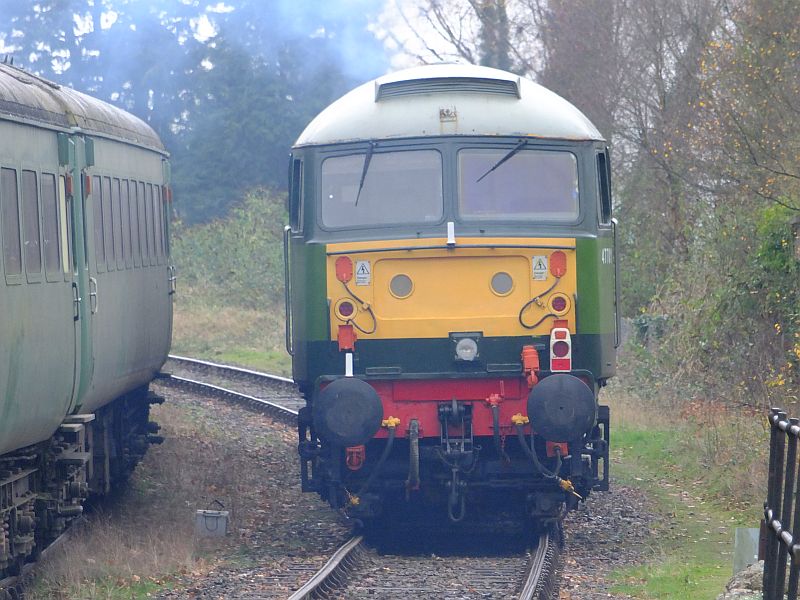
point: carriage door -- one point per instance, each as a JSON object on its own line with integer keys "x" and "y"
{"x": 166, "y": 220}
{"x": 75, "y": 187}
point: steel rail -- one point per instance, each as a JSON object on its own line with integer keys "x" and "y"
{"x": 287, "y": 415}
{"x": 237, "y": 370}
{"x": 332, "y": 573}
{"x": 540, "y": 581}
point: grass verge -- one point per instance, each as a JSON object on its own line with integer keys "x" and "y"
{"x": 143, "y": 538}
{"x": 230, "y": 334}
{"x": 704, "y": 478}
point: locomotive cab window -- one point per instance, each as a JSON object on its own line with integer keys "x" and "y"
{"x": 517, "y": 184}
{"x": 379, "y": 188}
{"x": 603, "y": 182}
{"x": 296, "y": 196}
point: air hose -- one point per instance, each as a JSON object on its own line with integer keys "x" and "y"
{"x": 564, "y": 484}
{"x": 532, "y": 455}
{"x": 379, "y": 465}
{"x": 496, "y": 429}
{"x": 412, "y": 483}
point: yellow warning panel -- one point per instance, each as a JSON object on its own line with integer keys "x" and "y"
{"x": 425, "y": 289}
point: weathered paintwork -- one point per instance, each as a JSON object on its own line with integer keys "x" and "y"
{"x": 433, "y": 399}
{"x": 64, "y": 349}
{"x": 444, "y": 108}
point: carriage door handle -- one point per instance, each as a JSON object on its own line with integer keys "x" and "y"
{"x": 173, "y": 285}
{"x": 76, "y": 302}
{"x": 93, "y": 295}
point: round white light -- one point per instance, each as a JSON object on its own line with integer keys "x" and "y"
{"x": 467, "y": 349}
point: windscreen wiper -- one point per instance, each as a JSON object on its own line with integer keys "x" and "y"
{"x": 511, "y": 153}
{"x": 367, "y": 159}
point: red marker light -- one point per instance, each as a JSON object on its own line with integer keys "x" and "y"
{"x": 344, "y": 269}
{"x": 558, "y": 263}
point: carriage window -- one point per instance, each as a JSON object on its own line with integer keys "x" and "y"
{"x": 136, "y": 248}
{"x": 9, "y": 201}
{"x": 99, "y": 247}
{"x": 166, "y": 212}
{"x": 50, "y": 242}
{"x": 116, "y": 214}
{"x": 395, "y": 187}
{"x": 143, "y": 225}
{"x": 108, "y": 223}
{"x": 529, "y": 184}
{"x": 65, "y": 212}
{"x": 125, "y": 212}
{"x": 158, "y": 222}
{"x": 151, "y": 231}
{"x": 30, "y": 222}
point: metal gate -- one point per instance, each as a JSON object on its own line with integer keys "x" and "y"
{"x": 780, "y": 530}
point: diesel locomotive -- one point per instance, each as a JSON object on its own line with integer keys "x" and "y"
{"x": 86, "y": 289}
{"x": 452, "y": 297}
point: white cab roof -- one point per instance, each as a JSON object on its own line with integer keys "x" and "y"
{"x": 448, "y": 99}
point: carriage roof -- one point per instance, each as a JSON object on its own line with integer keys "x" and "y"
{"x": 30, "y": 99}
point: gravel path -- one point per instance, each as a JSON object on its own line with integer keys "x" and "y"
{"x": 279, "y": 535}
{"x": 610, "y": 530}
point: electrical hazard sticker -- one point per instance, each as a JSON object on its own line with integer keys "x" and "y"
{"x": 539, "y": 268}
{"x": 363, "y": 272}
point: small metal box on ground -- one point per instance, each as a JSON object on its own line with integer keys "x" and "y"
{"x": 211, "y": 523}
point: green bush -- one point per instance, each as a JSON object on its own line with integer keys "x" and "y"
{"x": 725, "y": 325}
{"x": 237, "y": 260}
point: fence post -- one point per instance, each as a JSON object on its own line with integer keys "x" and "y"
{"x": 786, "y": 508}
{"x": 794, "y": 569}
{"x": 772, "y": 512}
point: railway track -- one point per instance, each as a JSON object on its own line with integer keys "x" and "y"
{"x": 252, "y": 387}
{"x": 357, "y": 571}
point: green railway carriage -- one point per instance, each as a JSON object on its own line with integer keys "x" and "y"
{"x": 451, "y": 294}
{"x": 85, "y": 292}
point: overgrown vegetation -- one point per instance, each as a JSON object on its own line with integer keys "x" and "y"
{"x": 692, "y": 468}
{"x": 230, "y": 304}
{"x": 239, "y": 259}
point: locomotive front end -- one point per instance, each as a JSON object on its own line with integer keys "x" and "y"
{"x": 451, "y": 294}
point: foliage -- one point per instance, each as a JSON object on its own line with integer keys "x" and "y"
{"x": 237, "y": 260}
{"x": 732, "y": 308}
{"x": 227, "y": 86}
